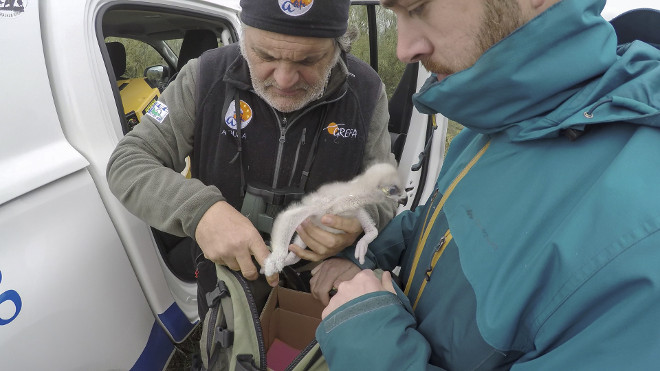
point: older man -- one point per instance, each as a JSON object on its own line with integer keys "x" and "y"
{"x": 278, "y": 115}
{"x": 539, "y": 249}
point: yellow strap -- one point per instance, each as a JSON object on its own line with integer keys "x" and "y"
{"x": 427, "y": 228}
{"x": 436, "y": 256}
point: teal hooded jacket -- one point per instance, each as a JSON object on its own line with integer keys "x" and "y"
{"x": 540, "y": 247}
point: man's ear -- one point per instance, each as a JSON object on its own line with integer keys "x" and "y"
{"x": 537, "y": 3}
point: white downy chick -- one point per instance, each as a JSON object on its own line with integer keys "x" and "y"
{"x": 379, "y": 183}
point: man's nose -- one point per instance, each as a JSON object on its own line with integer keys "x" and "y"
{"x": 286, "y": 76}
{"x": 411, "y": 44}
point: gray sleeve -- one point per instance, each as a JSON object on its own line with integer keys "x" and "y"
{"x": 378, "y": 149}
{"x": 144, "y": 169}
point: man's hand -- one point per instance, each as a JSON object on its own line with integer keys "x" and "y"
{"x": 363, "y": 283}
{"x": 321, "y": 243}
{"x": 329, "y": 275}
{"x": 227, "y": 237}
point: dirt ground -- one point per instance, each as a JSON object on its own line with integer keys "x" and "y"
{"x": 182, "y": 358}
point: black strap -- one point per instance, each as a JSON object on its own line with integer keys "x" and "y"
{"x": 423, "y": 163}
{"x": 280, "y": 196}
{"x": 312, "y": 152}
{"x": 239, "y": 142}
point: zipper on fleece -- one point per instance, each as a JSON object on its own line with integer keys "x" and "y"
{"x": 284, "y": 125}
{"x": 301, "y": 143}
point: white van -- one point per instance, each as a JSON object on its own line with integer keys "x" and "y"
{"x": 83, "y": 283}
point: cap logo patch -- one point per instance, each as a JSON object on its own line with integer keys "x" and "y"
{"x": 246, "y": 115}
{"x": 295, "y": 7}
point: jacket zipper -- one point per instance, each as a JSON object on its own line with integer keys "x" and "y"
{"x": 439, "y": 249}
{"x": 255, "y": 319}
{"x": 283, "y": 129}
{"x": 280, "y": 149}
{"x": 301, "y": 143}
{"x": 428, "y": 225}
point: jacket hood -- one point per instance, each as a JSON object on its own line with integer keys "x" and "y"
{"x": 560, "y": 70}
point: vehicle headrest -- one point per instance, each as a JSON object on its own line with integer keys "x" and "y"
{"x": 195, "y": 42}
{"x": 638, "y": 24}
{"x": 117, "y": 53}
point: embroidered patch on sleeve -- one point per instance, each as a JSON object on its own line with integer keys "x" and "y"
{"x": 158, "y": 111}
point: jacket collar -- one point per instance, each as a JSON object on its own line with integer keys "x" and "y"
{"x": 533, "y": 71}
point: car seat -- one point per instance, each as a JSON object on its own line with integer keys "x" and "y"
{"x": 638, "y": 24}
{"x": 195, "y": 42}
{"x": 117, "y": 53}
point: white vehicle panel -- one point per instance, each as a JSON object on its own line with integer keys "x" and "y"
{"x": 33, "y": 150}
{"x": 91, "y": 124}
{"x": 80, "y": 301}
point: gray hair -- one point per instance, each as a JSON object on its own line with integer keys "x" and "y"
{"x": 345, "y": 42}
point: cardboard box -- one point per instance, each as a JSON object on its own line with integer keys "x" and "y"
{"x": 290, "y": 317}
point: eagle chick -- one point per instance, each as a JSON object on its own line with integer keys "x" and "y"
{"x": 379, "y": 183}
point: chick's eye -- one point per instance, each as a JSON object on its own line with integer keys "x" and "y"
{"x": 393, "y": 190}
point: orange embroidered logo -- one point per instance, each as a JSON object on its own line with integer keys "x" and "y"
{"x": 332, "y": 128}
{"x": 337, "y": 131}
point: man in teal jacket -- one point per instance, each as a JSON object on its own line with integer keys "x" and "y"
{"x": 540, "y": 247}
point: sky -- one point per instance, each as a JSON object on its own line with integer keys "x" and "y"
{"x": 616, "y": 7}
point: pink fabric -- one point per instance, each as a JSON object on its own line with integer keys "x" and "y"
{"x": 280, "y": 355}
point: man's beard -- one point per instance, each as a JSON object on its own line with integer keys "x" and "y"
{"x": 312, "y": 92}
{"x": 501, "y": 18}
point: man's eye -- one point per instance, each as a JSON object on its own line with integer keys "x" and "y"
{"x": 417, "y": 11}
{"x": 266, "y": 58}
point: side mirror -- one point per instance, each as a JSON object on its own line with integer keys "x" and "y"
{"x": 157, "y": 75}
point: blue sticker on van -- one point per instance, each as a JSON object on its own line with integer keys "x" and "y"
{"x": 12, "y": 296}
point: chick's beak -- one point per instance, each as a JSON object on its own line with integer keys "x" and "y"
{"x": 403, "y": 199}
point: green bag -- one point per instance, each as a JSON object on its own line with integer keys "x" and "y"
{"x": 232, "y": 334}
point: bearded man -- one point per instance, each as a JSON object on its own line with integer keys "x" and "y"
{"x": 539, "y": 248}
{"x": 270, "y": 118}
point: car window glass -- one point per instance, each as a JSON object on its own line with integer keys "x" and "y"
{"x": 139, "y": 56}
{"x": 390, "y": 68}
{"x": 175, "y": 45}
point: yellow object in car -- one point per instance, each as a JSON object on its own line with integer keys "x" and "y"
{"x": 137, "y": 97}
